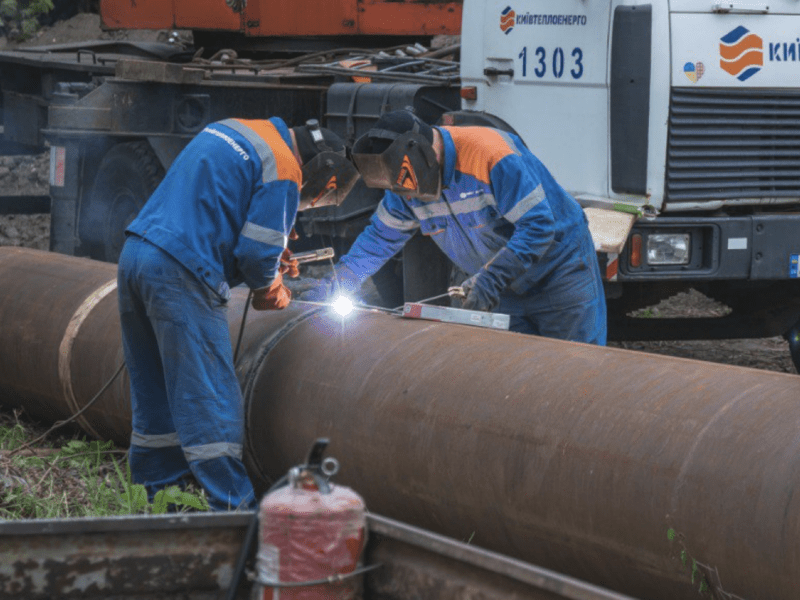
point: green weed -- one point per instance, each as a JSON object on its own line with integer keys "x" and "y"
{"x": 79, "y": 478}
{"x": 696, "y": 576}
{"x": 22, "y": 14}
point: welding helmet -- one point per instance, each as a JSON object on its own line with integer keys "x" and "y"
{"x": 328, "y": 176}
{"x": 397, "y": 154}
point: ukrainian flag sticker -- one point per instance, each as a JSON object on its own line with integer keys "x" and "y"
{"x": 694, "y": 71}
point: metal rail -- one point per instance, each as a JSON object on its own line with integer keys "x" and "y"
{"x": 192, "y": 556}
{"x": 460, "y": 570}
{"x": 102, "y": 57}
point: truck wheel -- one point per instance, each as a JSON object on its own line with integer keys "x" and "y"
{"x": 793, "y": 337}
{"x": 126, "y": 177}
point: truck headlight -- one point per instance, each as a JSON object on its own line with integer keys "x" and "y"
{"x": 668, "y": 249}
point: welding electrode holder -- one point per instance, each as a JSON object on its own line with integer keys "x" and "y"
{"x": 301, "y": 258}
{"x": 456, "y": 292}
{"x": 313, "y": 255}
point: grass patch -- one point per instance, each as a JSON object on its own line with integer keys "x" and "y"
{"x": 63, "y": 477}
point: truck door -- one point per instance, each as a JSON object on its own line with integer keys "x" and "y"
{"x": 542, "y": 67}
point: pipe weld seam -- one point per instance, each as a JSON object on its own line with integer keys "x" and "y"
{"x": 248, "y": 380}
{"x": 68, "y": 341}
{"x": 267, "y": 346}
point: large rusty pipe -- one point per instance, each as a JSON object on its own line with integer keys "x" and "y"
{"x": 582, "y": 459}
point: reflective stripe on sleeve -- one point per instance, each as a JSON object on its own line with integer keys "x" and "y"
{"x": 269, "y": 168}
{"x": 509, "y": 141}
{"x": 444, "y": 209}
{"x": 387, "y": 219}
{"x": 162, "y": 440}
{"x": 211, "y": 451}
{"x": 527, "y": 203}
{"x": 265, "y": 235}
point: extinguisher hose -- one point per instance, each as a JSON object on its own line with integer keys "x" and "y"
{"x": 249, "y": 538}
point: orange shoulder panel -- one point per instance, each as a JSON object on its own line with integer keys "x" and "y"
{"x": 285, "y": 161}
{"x": 478, "y": 149}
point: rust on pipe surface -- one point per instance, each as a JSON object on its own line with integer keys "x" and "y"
{"x": 600, "y": 463}
{"x": 60, "y": 339}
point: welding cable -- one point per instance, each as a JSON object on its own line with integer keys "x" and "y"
{"x": 241, "y": 327}
{"x": 73, "y": 417}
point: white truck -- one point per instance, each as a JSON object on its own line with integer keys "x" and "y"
{"x": 687, "y": 110}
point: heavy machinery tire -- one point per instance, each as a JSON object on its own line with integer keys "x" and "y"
{"x": 126, "y": 177}
{"x": 793, "y": 337}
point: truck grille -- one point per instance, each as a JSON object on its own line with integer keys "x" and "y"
{"x": 739, "y": 145}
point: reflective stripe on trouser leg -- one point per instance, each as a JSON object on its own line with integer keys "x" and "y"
{"x": 219, "y": 462}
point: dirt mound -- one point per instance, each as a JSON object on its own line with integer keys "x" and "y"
{"x": 80, "y": 28}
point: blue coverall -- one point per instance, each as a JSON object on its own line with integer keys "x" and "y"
{"x": 496, "y": 194}
{"x": 220, "y": 217}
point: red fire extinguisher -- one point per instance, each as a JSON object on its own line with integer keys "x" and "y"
{"x": 311, "y": 534}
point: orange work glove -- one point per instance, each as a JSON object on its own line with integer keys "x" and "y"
{"x": 289, "y": 266}
{"x": 274, "y": 297}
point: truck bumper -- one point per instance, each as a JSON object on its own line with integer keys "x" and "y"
{"x": 761, "y": 247}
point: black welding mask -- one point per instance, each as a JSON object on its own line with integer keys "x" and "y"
{"x": 328, "y": 176}
{"x": 401, "y": 161}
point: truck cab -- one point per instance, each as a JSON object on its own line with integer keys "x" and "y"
{"x": 681, "y": 113}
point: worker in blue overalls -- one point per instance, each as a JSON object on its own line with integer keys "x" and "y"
{"x": 221, "y": 217}
{"x": 494, "y": 210}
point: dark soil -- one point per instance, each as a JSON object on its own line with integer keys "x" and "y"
{"x": 771, "y": 354}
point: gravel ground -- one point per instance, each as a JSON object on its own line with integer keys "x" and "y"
{"x": 22, "y": 175}
{"x": 770, "y": 354}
